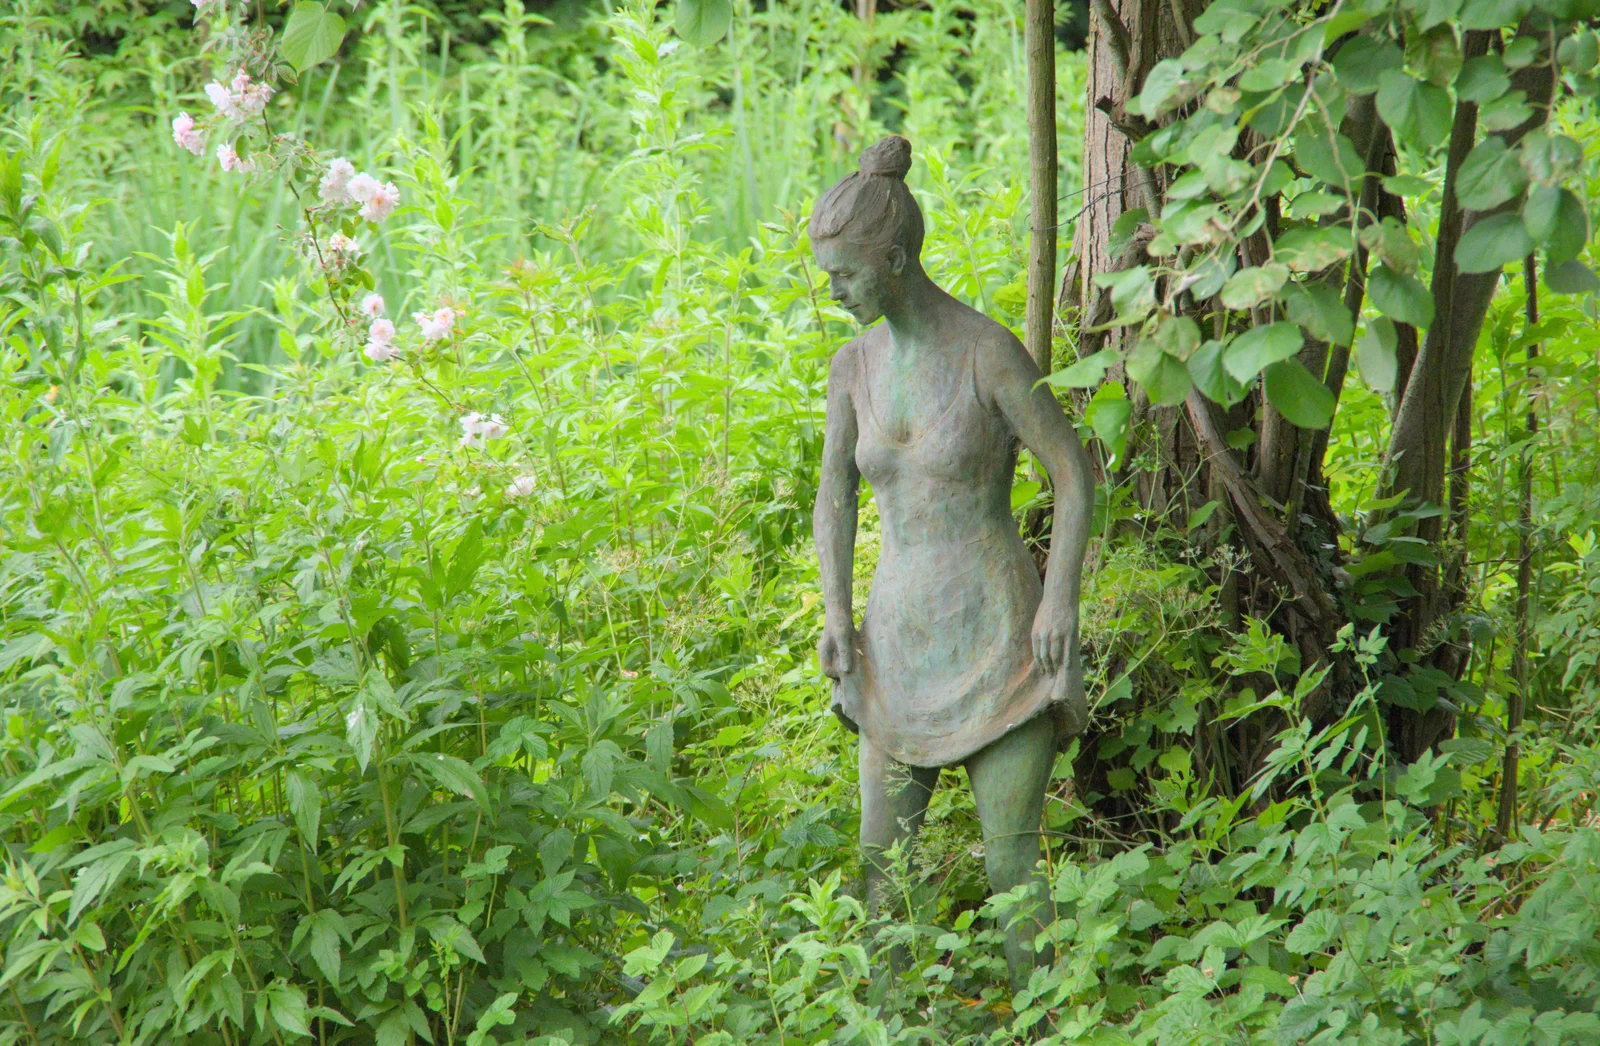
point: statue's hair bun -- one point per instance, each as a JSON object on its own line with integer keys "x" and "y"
{"x": 890, "y": 157}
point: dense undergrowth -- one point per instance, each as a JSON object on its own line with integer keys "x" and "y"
{"x": 322, "y": 721}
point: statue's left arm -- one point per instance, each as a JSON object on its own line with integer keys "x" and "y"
{"x": 1010, "y": 380}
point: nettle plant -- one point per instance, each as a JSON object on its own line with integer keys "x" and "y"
{"x": 1284, "y": 224}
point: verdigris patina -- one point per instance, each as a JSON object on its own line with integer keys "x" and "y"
{"x": 963, "y": 657}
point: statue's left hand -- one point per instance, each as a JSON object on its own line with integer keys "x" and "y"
{"x": 1055, "y": 638}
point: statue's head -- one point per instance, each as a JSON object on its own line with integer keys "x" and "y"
{"x": 866, "y": 231}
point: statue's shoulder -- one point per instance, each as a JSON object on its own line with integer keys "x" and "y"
{"x": 999, "y": 351}
{"x": 846, "y": 362}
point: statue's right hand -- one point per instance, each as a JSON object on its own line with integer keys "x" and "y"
{"x": 835, "y": 652}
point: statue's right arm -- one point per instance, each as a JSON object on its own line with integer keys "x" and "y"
{"x": 834, "y": 519}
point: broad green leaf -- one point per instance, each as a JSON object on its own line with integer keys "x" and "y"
{"x": 1298, "y": 395}
{"x": 1419, "y": 113}
{"x": 1504, "y": 113}
{"x": 1579, "y": 52}
{"x": 1254, "y": 285}
{"x": 312, "y": 35}
{"x": 1164, "y": 378}
{"x": 1311, "y": 250}
{"x": 1177, "y": 336}
{"x": 1390, "y": 243}
{"x": 1492, "y": 14}
{"x": 1330, "y": 158}
{"x": 1489, "y": 176}
{"x": 1084, "y": 374}
{"x": 1362, "y": 60}
{"x": 1541, "y": 212}
{"x": 1133, "y": 292}
{"x": 703, "y": 22}
{"x": 1107, "y": 414}
{"x": 1198, "y": 517}
{"x": 1483, "y": 79}
{"x": 1435, "y": 53}
{"x": 1261, "y": 347}
{"x": 1211, "y": 378}
{"x": 1320, "y": 309}
{"x": 1550, "y": 157}
{"x": 1571, "y": 232}
{"x": 1164, "y": 89}
{"x": 452, "y": 773}
{"x": 1375, "y": 354}
{"x": 1492, "y": 243}
{"x": 1400, "y": 297}
{"x": 1571, "y": 277}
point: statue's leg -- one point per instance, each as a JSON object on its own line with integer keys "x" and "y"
{"x": 894, "y": 800}
{"x": 1009, "y": 779}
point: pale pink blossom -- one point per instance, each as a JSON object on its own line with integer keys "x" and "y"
{"x": 477, "y": 429}
{"x": 184, "y": 134}
{"x": 437, "y": 324}
{"x": 372, "y": 307}
{"x": 232, "y": 161}
{"x": 249, "y": 97}
{"x": 362, "y": 186}
{"x": 221, "y": 99}
{"x": 244, "y": 99}
{"x": 335, "y": 188}
{"x": 493, "y": 427}
{"x": 381, "y": 202}
{"x": 343, "y": 246}
{"x": 380, "y": 342}
{"x": 521, "y": 487}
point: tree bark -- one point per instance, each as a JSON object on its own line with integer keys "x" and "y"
{"x": 1039, "y": 32}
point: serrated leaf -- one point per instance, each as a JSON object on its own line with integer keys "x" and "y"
{"x": 1400, "y": 297}
{"x": 1390, "y": 242}
{"x": 312, "y": 35}
{"x": 1298, "y": 395}
{"x": 1493, "y": 243}
{"x": 702, "y": 22}
{"x": 1261, "y": 347}
{"x": 1320, "y": 309}
{"x": 305, "y": 805}
{"x": 1571, "y": 233}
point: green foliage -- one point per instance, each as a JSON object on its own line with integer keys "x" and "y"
{"x": 321, "y": 723}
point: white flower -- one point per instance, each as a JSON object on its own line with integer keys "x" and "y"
{"x": 380, "y": 342}
{"x": 335, "y": 188}
{"x": 493, "y": 427}
{"x": 437, "y": 324}
{"x": 232, "y": 161}
{"x": 381, "y": 202}
{"x": 241, "y": 101}
{"x": 184, "y": 134}
{"x": 362, "y": 186}
{"x": 222, "y": 99}
{"x": 476, "y": 429}
{"x": 339, "y": 243}
{"x": 521, "y": 487}
{"x": 249, "y": 98}
{"x": 372, "y": 307}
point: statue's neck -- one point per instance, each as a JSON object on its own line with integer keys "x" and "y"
{"x": 914, "y": 314}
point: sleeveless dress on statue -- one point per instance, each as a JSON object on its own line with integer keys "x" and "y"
{"x": 944, "y": 658}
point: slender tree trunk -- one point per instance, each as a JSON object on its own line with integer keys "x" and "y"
{"x": 1516, "y": 699}
{"x": 1040, "y": 27}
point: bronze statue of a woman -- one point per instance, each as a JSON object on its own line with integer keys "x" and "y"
{"x": 962, "y": 656}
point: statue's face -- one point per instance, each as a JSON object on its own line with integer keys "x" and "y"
{"x": 860, "y": 277}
